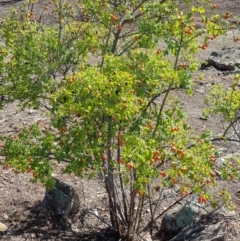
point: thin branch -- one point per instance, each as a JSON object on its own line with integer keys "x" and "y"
{"x": 224, "y": 139}
{"x": 231, "y": 124}
{"x": 175, "y": 203}
{"x": 158, "y": 95}
{"x": 158, "y": 201}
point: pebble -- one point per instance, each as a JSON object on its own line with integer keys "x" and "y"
{"x": 32, "y": 112}
{"x": 5, "y": 216}
{"x": 3, "y": 227}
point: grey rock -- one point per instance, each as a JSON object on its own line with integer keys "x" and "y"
{"x": 219, "y": 65}
{"x": 215, "y": 54}
{"x": 32, "y": 112}
{"x": 221, "y": 225}
{"x": 62, "y": 200}
{"x": 226, "y": 60}
{"x": 201, "y": 233}
{"x": 224, "y": 66}
{"x": 5, "y": 216}
{"x": 173, "y": 223}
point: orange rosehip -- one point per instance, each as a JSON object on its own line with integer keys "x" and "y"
{"x": 163, "y": 174}
{"x": 119, "y": 27}
{"x": 201, "y": 141}
{"x": 202, "y": 199}
{"x": 156, "y": 153}
{"x": 181, "y": 153}
{"x": 121, "y": 142}
{"x": 157, "y": 158}
{"x": 183, "y": 169}
{"x": 130, "y": 165}
{"x": 212, "y": 174}
{"x": 226, "y": 15}
{"x": 174, "y": 181}
{"x": 236, "y": 39}
{"x": 214, "y": 6}
{"x": 121, "y": 161}
{"x": 139, "y": 192}
{"x": 150, "y": 126}
{"x": 174, "y": 129}
{"x": 183, "y": 66}
{"x": 114, "y": 18}
{"x": 208, "y": 181}
{"x": 5, "y": 166}
{"x": 189, "y": 30}
{"x": 103, "y": 158}
{"x": 212, "y": 159}
{"x": 173, "y": 149}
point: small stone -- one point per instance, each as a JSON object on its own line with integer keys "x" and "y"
{"x": 214, "y": 53}
{"x": 39, "y": 235}
{"x": 32, "y": 112}
{"x": 5, "y": 216}
{"x": 147, "y": 210}
{"x": 3, "y": 227}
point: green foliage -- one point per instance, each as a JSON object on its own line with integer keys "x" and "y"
{"x": 225, "y": 101}
{"x": 119, "y": 115}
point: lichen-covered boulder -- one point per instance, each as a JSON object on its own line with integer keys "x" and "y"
{"x": 62, "y": 199}
{"x": 173, "y": 223}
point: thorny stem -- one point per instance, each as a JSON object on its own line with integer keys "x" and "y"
{"x": 131, "y": 210}
{"x": 139, "y": 213}
{"x": 150, "y": 203}
{"x": 115, "y": 42}
{"x": 121, "y": 185}
{"x": 224, "y": 139}
{"x": 135, "y": 224}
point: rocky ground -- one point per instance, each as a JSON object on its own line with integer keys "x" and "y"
{"x": 21, "y": 207}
